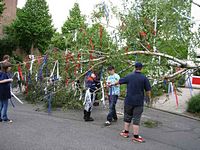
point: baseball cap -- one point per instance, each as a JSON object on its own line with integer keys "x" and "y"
{"x": 138, "y": 65}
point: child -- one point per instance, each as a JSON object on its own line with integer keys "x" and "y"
{"x": 89, "y": 97}
{"x": 5, "y": 93}
{"x": 6, "y": 58}
{"x": 114, "y": 92}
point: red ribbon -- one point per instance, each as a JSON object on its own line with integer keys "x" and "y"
{"x": 126, "y": 49}
{"x": 78, "y": 58}
{"x": 154, "y": 32}
{"x": 175, "y": 93}
{"x": 67, "y": 82}
{"x": 20, "y": 72}
{"x": 143, "y": 34}
{"x": 91, "y": 44}
{"x": 148, "y": 46}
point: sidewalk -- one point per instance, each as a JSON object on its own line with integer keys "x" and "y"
{"x": 170, "y": 104}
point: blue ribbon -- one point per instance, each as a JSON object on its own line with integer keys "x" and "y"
{"x": 169, "y": 88}
{"x": 190, "y": 86}
{"x": 165, "y": 82}
{"x": 49, "y": 99}
{"x": 41, "y": 68}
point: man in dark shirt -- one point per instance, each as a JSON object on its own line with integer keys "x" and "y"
{"x": 137, "y": 83}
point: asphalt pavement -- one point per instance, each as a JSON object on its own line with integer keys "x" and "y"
{"x": 36, "y": 130}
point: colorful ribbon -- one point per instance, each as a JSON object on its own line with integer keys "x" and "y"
{"x": 42, "y": 67}
{"x": 20, "y": 72}
{"x": 49, "y": 103}
{"x": 176, "y": 96}
{"x": 190, "y": 85}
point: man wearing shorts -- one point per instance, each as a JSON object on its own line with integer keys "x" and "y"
{"x": 137, "y": 83}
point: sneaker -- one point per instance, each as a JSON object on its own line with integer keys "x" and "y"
{"x": 139, "y": 139}
{"x": 8, "y": 120}
{"x": 124, "y": 134}
{"x": 107, "y": 123}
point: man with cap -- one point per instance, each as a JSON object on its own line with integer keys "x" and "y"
{"x": 137, "y": 83}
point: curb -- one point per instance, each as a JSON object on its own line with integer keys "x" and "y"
{"x": 174, "y": 113}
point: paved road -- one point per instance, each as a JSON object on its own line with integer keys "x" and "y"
{"x": 34, "y": 130}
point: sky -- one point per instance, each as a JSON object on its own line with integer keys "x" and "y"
{"x": 59, "y": 10}
{"x": 196, "y": 14}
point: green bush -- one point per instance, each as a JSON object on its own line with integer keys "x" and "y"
{"x": 194, "y": 104}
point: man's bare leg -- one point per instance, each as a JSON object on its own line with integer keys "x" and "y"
{"x": 126, "y": 126}
{"x": 136, "y": 129}
{"x": 125, "y": 132}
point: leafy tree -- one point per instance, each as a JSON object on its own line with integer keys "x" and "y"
{"x": 1, "y": 6}
{"x": 172, "y": 33}
{"x": 58, "y": 41}
{"x": 100, "y": 38}
{"x": 74, "y": 27}
{"x": 33, "y": 26}
{"x": 78, "y": 35}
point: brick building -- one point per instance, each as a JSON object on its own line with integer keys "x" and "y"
{"x": 9, "y": 14}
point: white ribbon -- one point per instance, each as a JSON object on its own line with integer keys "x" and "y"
{"x": 88, "y": 101}
{"x": 16, "y": 74}
{"x": 57, "y": 71}
{"x": 103, "y": 93}
{"x": 58, "y": 74}
{"x": 16, "y": 97}
{"x": 36, "y": 77}
{"x": 32, "y": 61}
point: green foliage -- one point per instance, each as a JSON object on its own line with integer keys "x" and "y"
{"x": 62, "y": 95}
{"x": 73, "y": 29}
{"x": 33, "y": 26}
{"x": 172, "y": 33}
{"x": 6, "y": 46}
{"x": 66, "y": 100}
{"x": 75, "y": 20}
{"x": 58, "y": 41}
{"x": 136, "y": 32}
{"x": 2, "y": 6}
{"x": 194, "y": 104}
{"x": 100, "y": 38}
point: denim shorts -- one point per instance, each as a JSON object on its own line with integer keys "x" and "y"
{"x": 133, "y": 113}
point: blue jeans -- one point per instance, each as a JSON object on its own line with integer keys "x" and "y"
{"x": 3, "y": 109}
{"x": 112, "y": 111}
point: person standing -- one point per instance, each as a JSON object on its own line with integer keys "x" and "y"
{"x": 137, "y": 83}
{"x": 5, "y": 93}
{"x": 6, "y": 58}
{"x": 89, "y": 97}
{"x": 114, "y": 92}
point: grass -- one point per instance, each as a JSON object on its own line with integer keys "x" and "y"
{"x": 151, "y": 124}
